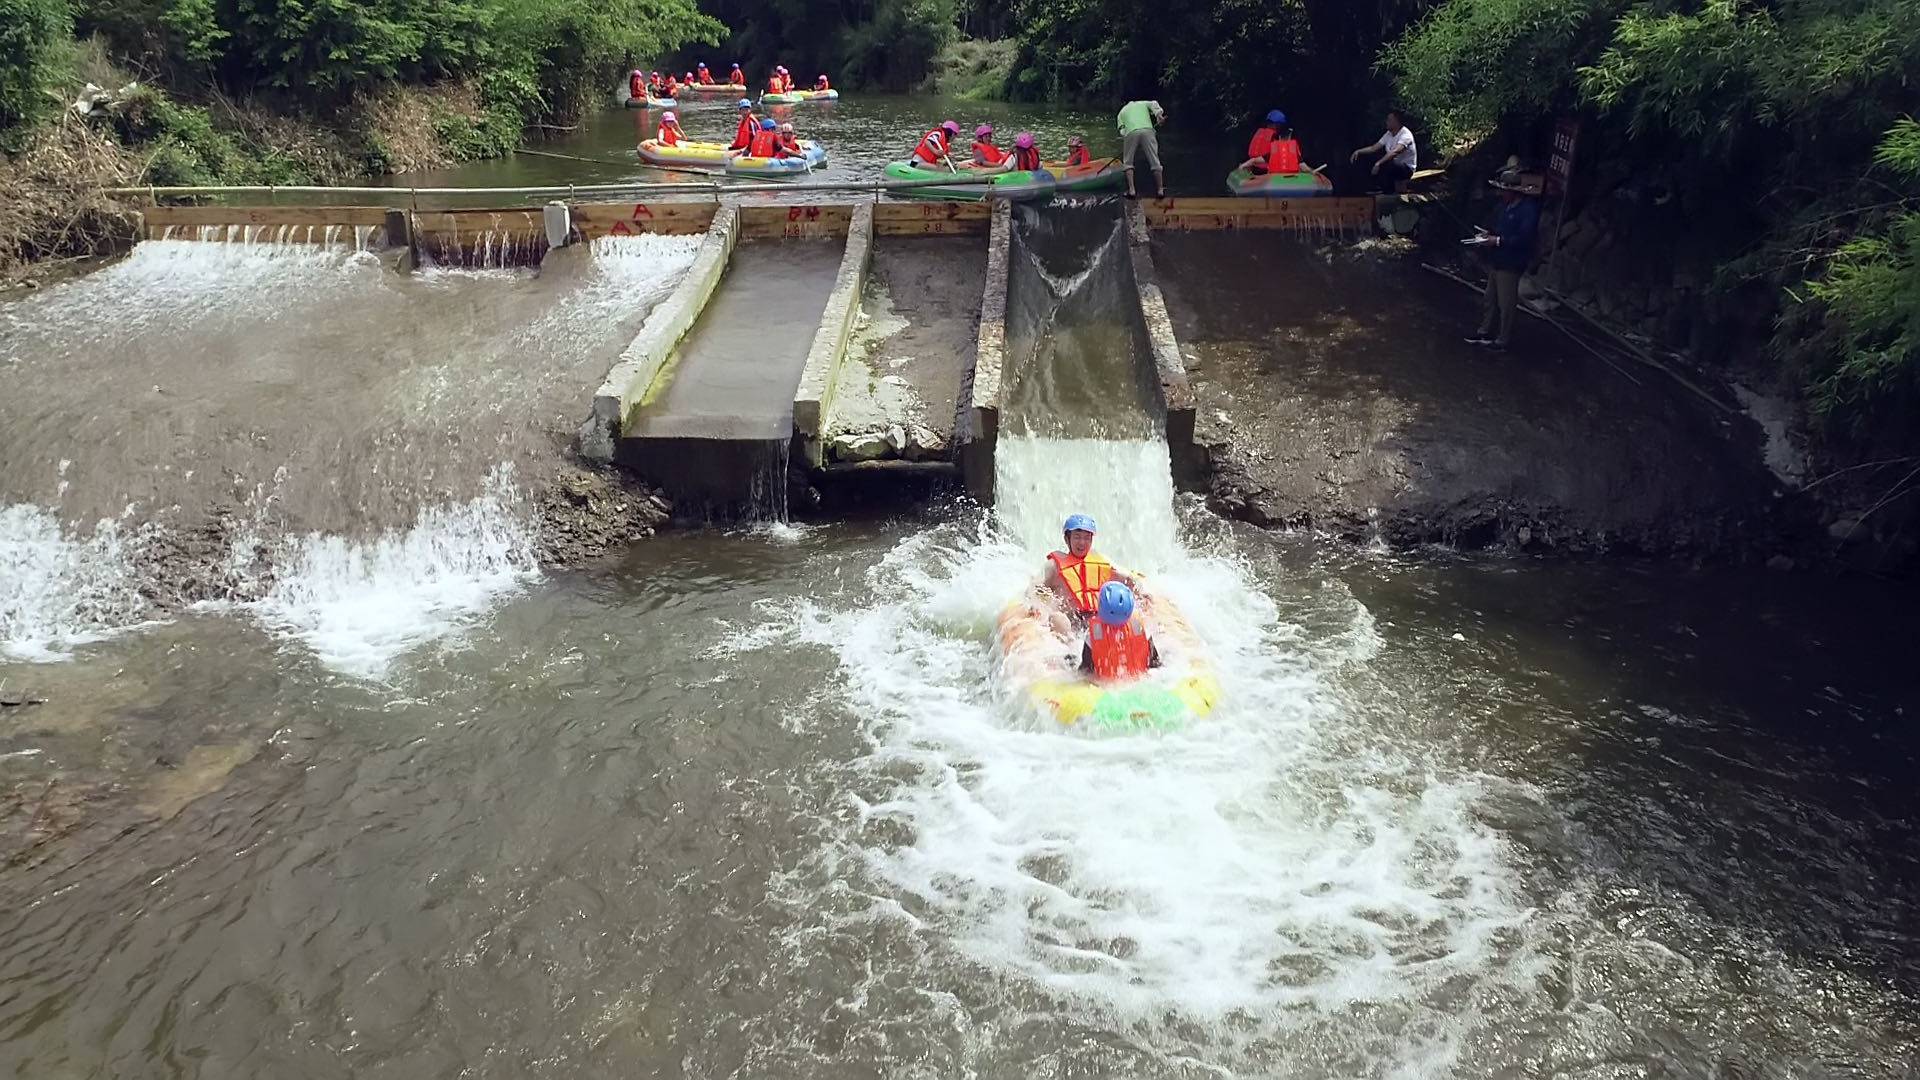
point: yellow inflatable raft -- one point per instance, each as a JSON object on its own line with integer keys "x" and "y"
{"x": 713, "y": 155}
{"x": 1045, "y": 669}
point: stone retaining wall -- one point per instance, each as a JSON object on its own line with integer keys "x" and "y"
{"x": 977, "y": 427}
{"x": 813, "y": 399}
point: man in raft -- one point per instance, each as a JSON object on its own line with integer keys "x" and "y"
{"x": 700, "y": 72}
{"x": 637, "y": 84}
{"x": 1118, "y": 646}
{"x": 736, "y": 77}
{"x": 821, "y": 85}
{"x": 749, "y": 124}
{"x": 1077, "y": 575}
{"x": 1281, "y": 153}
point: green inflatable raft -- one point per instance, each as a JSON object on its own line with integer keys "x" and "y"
{"x": 1018, "y": 186}
{"x": 1300, "y": 185}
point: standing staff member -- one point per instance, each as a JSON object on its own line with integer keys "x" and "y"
{"x": 1398, "y": 157}
{"x": 1136, "y": 120}
{"x": 1516, "y": 227}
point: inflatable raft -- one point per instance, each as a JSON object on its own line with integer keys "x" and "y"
{"x": 795, "y": 97}
{"x": 713, "y": 155}
{"x": 739, "y": 90}
{"x": 1038, "y": 184}
{"x": 1093, "y": 176}
{"x": 1298, "y": 185}
{"x": 1045, "y": 670}
{"x": 652, "y": 103}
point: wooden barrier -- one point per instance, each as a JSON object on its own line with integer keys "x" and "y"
{"x": 794, "y": 222}
{"x": 480, "y": 238}
{"x": 932, "y": 219}
{"x": 296, "y": 224}
{"x": 1306, "y": 215}
{"x": 594, "y": 220}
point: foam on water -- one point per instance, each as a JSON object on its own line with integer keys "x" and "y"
{"x": 360, "y": 605}
{"x": 60, "y": 588}
{"x": 1219, "y": 891}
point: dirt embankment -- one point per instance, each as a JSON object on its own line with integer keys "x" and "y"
{"x": 1335, "y": 392}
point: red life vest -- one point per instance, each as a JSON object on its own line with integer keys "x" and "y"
{"x": 776, "y": 85}
{"x": 670, "y": 135}
{"x": 1262, "y": 142}
{"x": 1078, "y": 156}
{"x": 1026, "y": 159}
{"x": 673, "y": 86}
{"x": 786, "y": 84}
{"x": 1284, "y": 157}
{"x": 988, "y": 154}
{"x": 705, "y": 76}
{"x": 821, "y": 83}
{"x": 743, "y": 135}
{"x": 737, "y": 78}
{"x": 1119, "y": 652}
{"x": 1084, "y": 577}
{"x": 933, "y": 145}
{"x": 766, "y": 144}
{"x": 636, "y": 86}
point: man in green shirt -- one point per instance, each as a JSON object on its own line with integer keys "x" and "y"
{"x": 1137, "y": 119}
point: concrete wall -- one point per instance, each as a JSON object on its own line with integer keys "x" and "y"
{"x": 1170, "y": 369}
{"x": 640, "y": 364}
{"x": 977, "y": 427}
{"x": 813, "y": 398}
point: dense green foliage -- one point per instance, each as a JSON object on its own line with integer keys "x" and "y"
{"x": 882, "y": 44}
{"x": 32, "y": 35}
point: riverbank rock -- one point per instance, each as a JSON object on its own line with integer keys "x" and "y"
{"x": 584, "y": 512}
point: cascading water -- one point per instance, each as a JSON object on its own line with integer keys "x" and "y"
{"x": 282, "y": 421}
{"x": 1219, "y": 894}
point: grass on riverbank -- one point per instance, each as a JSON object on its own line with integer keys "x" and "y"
{"x": 974, "y": 70}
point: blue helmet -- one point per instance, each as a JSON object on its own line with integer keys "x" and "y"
{"x": 1116, "y": 604}
{"x": 1276, "y": 117}
{"x": 768, "y": 124}
{"x": 743, "y": 103}
{"x": 1078, "y": 523}
{"x": 736, "y": 67}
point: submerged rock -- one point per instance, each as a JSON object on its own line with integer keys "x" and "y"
{"x": 865, "y": 446}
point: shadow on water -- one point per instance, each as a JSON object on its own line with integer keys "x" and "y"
{"x": 1076, "y": 348}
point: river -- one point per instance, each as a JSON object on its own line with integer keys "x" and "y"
{"x": 752, "y": 803}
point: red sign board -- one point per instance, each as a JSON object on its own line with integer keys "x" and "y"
{"x": 1566, "y": 141}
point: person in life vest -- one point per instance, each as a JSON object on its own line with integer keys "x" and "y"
{"x": 766, "y": 141}
{"x": 672, "y": 87}
{"x": 987, "y": 156}
{"x": 821, "y": 84}
{"x": 656, "y": 85}
{"x": 686, "y": 79}
{"x": 670, "y": 133}
{"x": 637, "y": 84}
{"x": 1026, "y": 156}
{"x": 1282, "y": 156}
{"x": 790, "y": 143}
{"x": 1077, "y": 151}
{"x": 776, "y": 84}
{"x": 749, "y": 124}
{"x": 786, "y": 81}
{"x": 703, "y": 74}
{"x": 1118, "y": 646}
{"x": 736, "y": 77}
{"x": 1264, "y": 135}
{"x": 936, "y": 146}
{"x": 1077, "y": 575}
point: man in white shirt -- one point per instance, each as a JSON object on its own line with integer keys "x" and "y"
{"x": 1398, "y": 156}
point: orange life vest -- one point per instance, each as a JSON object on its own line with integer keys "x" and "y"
{"x": 637, "y": 86}
{"x": 776, "y": 85}
{"x": 1119, "y": 652}
{"x": 1026, "y": 160}
{"x": 1284, "y": 157}
{"x": 765, "y": 144}
{"x": 821, "y": 83}
{"x": 932, "y": 146}
{"x": 1078, "y": 156}
{"x": 786, "y": 84}
{"x": 1262, "y": 143}
{"x": 988, "y": 154}
{"x": 670, "y": 135}
{"x": 1084, "y": 577}
{"x": 743, "y": 135}
{"x": 737, "y": 78}
{"x": 790, "y": 145}
{"x": 673, "y": 86}
{"x": 705, "y": 76}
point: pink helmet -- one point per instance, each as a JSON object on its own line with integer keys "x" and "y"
{"x": 1024, "y": 140}
{"x": 950, "y": 127}
{"x": 668, "y": 117}
{"x": 983, "y": 131}
{"x": 787, "y": 128}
